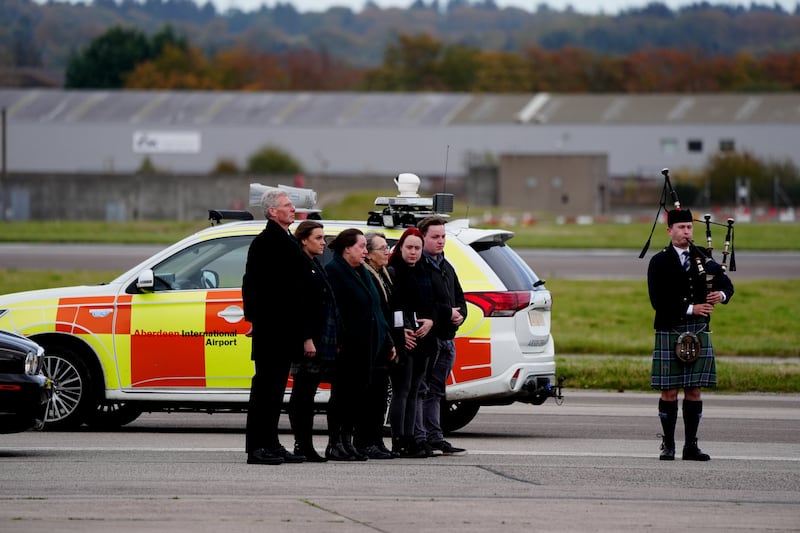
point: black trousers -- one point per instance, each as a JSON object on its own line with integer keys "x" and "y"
{"x": 266, "y": 393}
{"x": 370, "y": 428}
{"x": 406, "y": 378}
{"x": 302, "y": 407}
{"x": 346, "y": 407}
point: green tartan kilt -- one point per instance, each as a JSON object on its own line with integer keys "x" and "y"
{"x": 670, "y": 373}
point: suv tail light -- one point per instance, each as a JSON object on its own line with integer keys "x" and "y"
{"x": 498, "y": 304}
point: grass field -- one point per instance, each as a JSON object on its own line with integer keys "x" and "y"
{"x": 604, "y": 326}
{"x": 603, "y": 330}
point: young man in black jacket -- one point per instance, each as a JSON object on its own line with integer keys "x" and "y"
{"x": 450, "y": 310}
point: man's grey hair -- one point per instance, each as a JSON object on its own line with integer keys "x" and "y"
{"x": 271, "y": 198}
{"x": 370, "y": 236}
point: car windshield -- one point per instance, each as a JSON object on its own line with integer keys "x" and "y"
{"x": 512, "y": 270}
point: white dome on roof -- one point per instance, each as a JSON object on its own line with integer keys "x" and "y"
{"x": 407, "y": 184}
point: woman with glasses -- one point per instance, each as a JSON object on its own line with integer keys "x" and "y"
{"x": 369, "y": 439}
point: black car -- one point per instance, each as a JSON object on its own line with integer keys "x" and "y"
{"x": 24, "y": 389}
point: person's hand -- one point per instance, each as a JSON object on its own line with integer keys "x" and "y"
{"x": 702, "y": 309}
{"x": 425, "y": 325}
{"x": 455, "y": 317}
{"x": 393, "y": 354}
{"x": 411, "y": 340}
{"x": 309, "y": 350}
{"x": 714, "y": 297}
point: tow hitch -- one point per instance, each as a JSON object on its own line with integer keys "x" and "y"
{"x": 540, "y": 389}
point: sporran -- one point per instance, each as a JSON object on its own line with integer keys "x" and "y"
{"x": 688, "y": 347}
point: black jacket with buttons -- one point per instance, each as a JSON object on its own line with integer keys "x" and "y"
{"x": 672, "y": 289}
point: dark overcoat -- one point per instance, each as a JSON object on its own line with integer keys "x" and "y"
{"x": 274, "y": 290}
{"x": 364, "y": 340}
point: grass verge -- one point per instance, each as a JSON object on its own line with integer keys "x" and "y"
{"x": 545, "y": 234}
{"x": 631, "y": 373}
{"x": 614, "y": 317}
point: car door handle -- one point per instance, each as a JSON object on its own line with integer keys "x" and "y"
{"x": 232, "y": 314}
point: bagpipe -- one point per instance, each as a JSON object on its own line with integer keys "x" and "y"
{"x": 702, "y": 255}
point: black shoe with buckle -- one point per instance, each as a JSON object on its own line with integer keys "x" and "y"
{"x": 288, "y": 457}
{"x": 445, "y": 448}
{"x": 667, "y": 450}
{"x": 261, "y": 456}
{"x": 692, "y": 453}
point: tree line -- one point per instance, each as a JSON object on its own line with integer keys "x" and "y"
{"x": 128, "y": 58}
{"x": 47, "y": 34}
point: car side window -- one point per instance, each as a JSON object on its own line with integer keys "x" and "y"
{"x": 214, "y": 264}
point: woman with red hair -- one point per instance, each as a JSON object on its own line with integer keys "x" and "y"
{"x": 413, "y": 295}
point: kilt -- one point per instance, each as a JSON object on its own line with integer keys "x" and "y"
{"x": 669, "y": 373}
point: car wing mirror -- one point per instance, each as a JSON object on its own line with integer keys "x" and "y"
{"x": 210, "y": 279}
{"x": 146, "y": 280}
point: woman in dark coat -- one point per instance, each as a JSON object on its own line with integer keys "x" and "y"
{"x": 364, "y": 340}
{"x": 413, "y": 295}
{"x": 369, "y": 439}
{"x": 315, "y": 364}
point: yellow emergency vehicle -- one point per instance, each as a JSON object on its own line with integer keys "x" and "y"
{"x": 170, "y": 334}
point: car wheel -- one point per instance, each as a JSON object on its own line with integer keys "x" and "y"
{"x": 456, "y": 415}
{"x": 113, "y": 415}
{"x": 71, "y": 384}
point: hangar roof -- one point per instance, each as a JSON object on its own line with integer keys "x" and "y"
{"x": 356, "y": 109}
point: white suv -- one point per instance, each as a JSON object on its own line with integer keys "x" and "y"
{"x": 170, "y": 334}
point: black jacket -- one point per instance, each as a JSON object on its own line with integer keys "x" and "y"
{"x": 274, "y": 288}
{"x": 364, "y": 339}
{"x": 413, "y": 295}
{"x": 447, "y": 294}
{"x": 672, "y": 289}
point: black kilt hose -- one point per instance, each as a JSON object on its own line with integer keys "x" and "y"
{"x": 671, "y": 373}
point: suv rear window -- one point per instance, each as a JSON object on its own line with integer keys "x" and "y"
{"x": 512, "y": 270}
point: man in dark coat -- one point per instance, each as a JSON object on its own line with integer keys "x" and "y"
{"x": 272, "y": 293}
{"x": 684, "y": 286}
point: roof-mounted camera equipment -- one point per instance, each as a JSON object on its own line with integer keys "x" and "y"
{"x": 408, "y": 208}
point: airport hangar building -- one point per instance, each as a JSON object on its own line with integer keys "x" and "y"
{"x": 544, "y": 151}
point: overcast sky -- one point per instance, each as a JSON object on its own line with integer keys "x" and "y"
{"x": 583, "y": 6}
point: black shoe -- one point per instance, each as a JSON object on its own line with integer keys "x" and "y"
{"x": 309, "y": 453}
{"x": 350, "y": 449}
{"x": 336, "y": 452}
{"x": 374, "y": 452}
{"x": 382, "y": 447}
{"x": 261, "y": 456}
{"x": 288, "y": 457}
{"x": 445, "y": 448}
{"x": 417, "y": 450}
{"x": 667, "y": 450}
{"x": 692, "y": 453}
